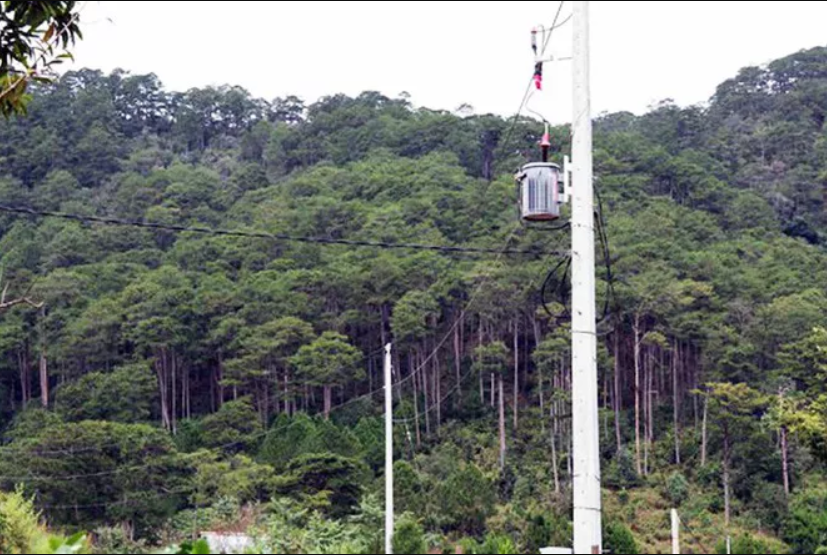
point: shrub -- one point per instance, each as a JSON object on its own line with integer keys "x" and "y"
{"x": 677, "y": 489}
{"x": 409, "y": 538}
{"x": 617, "y": 538}
{"x": 19, "y": 523}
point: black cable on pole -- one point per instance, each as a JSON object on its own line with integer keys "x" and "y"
{"x": 264, "y": 235}
{"x": 607, "y": 255}
{"x": 516, "y": 118}
{"x": 548, "y": 280}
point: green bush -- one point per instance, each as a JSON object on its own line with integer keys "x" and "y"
{"x": 335, "y": 483}
{"x": 496, "y": 544}
{"x": 20, "y": 530}
{"x": 806, "y": 525}
{"x": 19, "y": 523}
{"x": 115, "y": 540}
{"x": 547, "y": 529}
{"x": 466, "y": 499}
{"x": 408, "y": 537}
{"x": 617, "y": 538}
{"x": 750, "y": 545}
{"x": 621, "y": 471}
{"x": 677, "y": 489}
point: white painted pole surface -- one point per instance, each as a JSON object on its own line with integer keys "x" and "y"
{"x": 676, "y": 530}
{"x": 389, "y": 520}
{"x": 586, "y": 455}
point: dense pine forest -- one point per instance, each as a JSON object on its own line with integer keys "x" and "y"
{"x": 157, "y": 383}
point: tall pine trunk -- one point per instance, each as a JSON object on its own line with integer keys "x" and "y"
{"x": 458, "y": 363}
{"x": 162, "y": 373}
{"x": 174, "y": 395}
{"x": 44, "y": 380}
{"x": 516, "y": 376}
{"x": 43, "y": 363}
{"x": 554, "y": 464}
{"x": 618, "y": 399}
{"x": 785, "y": 460}
{"x": 676, "y": 402}
{"x": 704, "y": 431}
{"x": 438, "y": 391}
{"x": 502, "y": 423}
{"x": 422, "y": 367}
{"x": 647, "y": 399}
{"x": 637, "y": 340}
{"x": 415, "y": 401}
{"x": 328, "y": 401}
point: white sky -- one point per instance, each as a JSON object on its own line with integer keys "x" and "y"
{"x": 445, "y": 53}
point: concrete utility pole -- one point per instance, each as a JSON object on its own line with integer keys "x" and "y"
{"x": 587, "y": 503}
{"x": 676, "y": 531}
{"x": 389, "y": 520}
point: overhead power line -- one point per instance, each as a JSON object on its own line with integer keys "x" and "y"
{"x": 174, "y": 228}
{"x": 555, "y": 25}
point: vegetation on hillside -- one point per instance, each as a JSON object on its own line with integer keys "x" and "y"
{"x": 164, "y": 383}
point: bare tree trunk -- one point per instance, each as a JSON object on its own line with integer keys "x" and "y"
{"x": 213, "y": 394}
{"x": 541, "y": 385}
{"x": 785, "y": 460}
{"x": 43, "y": 366}
{"x": 493, "y": 391}
{"x": 370, "y": 370}
{"x": 426, "y": 389}
{"x": 676, "y": 403}
{"x": 415, "y": 403}
{"x": 618, "y": 399}
{"x": 220, "y": 376}
{"x": 554, "y": 463}
{"x": 637, "y": 340}
{"x": 44, "y": 380}
{"x": 458, "y": 364}
{"x": 287, "y": 393}
{"x": 704, "y": 431}
{"x": 482, "y": 390}
{"x": 647, "y": 399}
{"x": 328, "y": 401}
{"x": 438, "y": 391}
{"x": 174, "y": 412}
{"x": 25, "y": 377}
{"x": 502, "y": 423}
{"x": 516, "y": 375}
{"x": 161, "y": 373}
{"x": 536, "y": 329}
{"x": 265, "y": 400}
{"x": 650, "y": 445}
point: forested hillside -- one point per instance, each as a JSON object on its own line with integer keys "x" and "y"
{"x": 159, "y": 382}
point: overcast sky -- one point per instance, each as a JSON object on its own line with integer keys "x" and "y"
{"x": 445, "y": 53}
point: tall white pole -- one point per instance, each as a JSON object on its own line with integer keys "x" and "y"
{"x": 587, "y": 506}
{"x": 389, "y": 520}
{"x": 676, "y": 533}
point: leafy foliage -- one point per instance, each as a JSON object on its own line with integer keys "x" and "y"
{"x": 174, "y": 381}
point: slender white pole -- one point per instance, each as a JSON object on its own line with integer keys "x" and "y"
{"x": 587, "y": 503}
{"x": 676, "y": 531}
{"x": 388, "y": 452}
